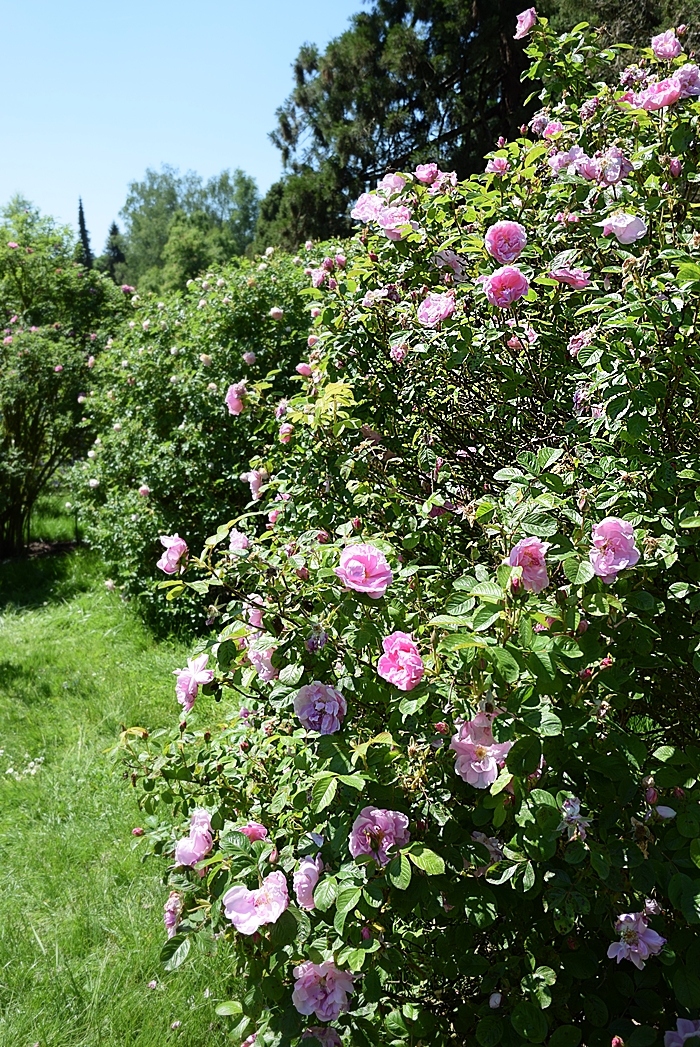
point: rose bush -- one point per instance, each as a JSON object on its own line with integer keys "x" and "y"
{"x": 458, "y": 650}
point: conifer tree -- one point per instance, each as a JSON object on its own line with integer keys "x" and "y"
{"x": 86, "y": 255}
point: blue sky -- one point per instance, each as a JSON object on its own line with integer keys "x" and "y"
{"x": 96, "y": 92}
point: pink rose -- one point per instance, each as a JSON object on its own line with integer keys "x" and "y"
{"x": 174, "y": 558}
{"x": 552, "y": 128}
{"x": 255, "y": 479}
{"x": 497, "y": 166}
{"x": 505, "y": 286}
{"x": 238, "y": 541}
{"x": 391, "y": 183}
{"x": 526, "y": 20}
{"x": 375, "y": 830}
{"x": 675, "y": 167}
{"x": 613, "y": 548}
{"x": 505, "y": 240}
{"x": 321, "y": 989}
{"x": 234, "y": 398}
{"x": 529, "y": 553}
{"x": 171, "y": 914}
{"x": 365, "y": 569}
{"x": 262, "y": 663}
{"x": 276, "y": 313}
{"x": 91, "y": 361}
{"x": 285, "y": 433}
{"x": 575, "y": 278}
{"x": 196, "y": 846}
{"x": 395, "y": 222}
{"x": 401, "y": 663}
{"x": 318, "y": 276}
{"x": 305, "y": 879}
{"x": 367, "y": 208}
{"x": 58, "y": 368}
{"x": 659, "y": 95}
{"x": 479, "y": 757}
{"x": 144, "y": 490}
{"x": 626, "y": 227}
{"x": 341, "y": 261}
{"x": 304, "y": 370}
{"x": 189, "y": 680}
{"x": 613, "y": 166}
{"x": 637, "y": 941}
{"x": 320, "y": 707}
{"x": 666, "y": 45}
{"x": 435, "y": 308}
{"x": 426, "y": 173}
{"x": 249, "y": 910}
{"x": 248, "y": 358}
{"x": 253, "y": 830}
{"x": 688, "y": 76}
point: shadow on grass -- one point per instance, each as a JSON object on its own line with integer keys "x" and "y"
{"x": 58, "y": 575}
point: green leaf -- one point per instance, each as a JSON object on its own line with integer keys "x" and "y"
{"x": 399, "y": 872}
{"x": 175, "y": 952}
{"x": 323, "y": 792}
{"x": 695, "y": 852}
{"x": 690, "y": 521}
{"x": 529, "y": 1021}
{"x": 354, "y": 781}
{"x": 291, "y": 674}
{"x": 284, "y": 930}
{"x": 326, "y": 893}
{"x": 565, "y": 1036}
{"x": 686, "y": 986}
{"x": 228, "y": 1008}
{"x": 524, "y": 757}
{"x": 578, "y": 571}
{"x": 425, "y": 859}
{"x": 505, "y": 663}
{"x": 347, "y": 899}
{"x": 489, "y": 1032}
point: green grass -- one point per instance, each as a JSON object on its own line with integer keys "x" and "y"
{"x": 80, "y": 913}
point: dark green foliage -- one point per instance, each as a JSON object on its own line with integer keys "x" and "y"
{"x": 113, "y": 259}
{"x": 85, "y": 255}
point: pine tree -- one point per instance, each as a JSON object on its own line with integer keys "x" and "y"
{"x": 87, "y": 257}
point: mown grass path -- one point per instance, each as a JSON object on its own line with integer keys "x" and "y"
{"x": 80, "y": 914}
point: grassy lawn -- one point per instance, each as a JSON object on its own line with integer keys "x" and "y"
{"x": 80, "y": 914}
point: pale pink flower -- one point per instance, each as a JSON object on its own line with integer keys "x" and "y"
{"x": 326, "y": 1035}
{"x": 659, "y": 95}
{"x": 234, "y": 398}
{"x": 250, "y": 910}
{"x": 196, "y": 846}
{"x": 276, "y": 313}
{"x": 529, "y": 553}
{"x": 573, "y": 821}
{"x": 249, "y": 358}
{"x": 391, "y": 183}
{"x": 613, "y": 166}
{"x": 174, "y": 558}
{"x": 285, "y": 433}
{"x": 238, "y": 541}
{"x": 675, "y": 167}
{"x": 398, "y": 353}
{"x": 435, "y": 308}
{"x": 305, "y": 879}
{"x": 395, "y": 222}
{"x": 530, "y": 333}
{"x": 666, "y": 45}
{"x": 498, "y": 165}
{"x": 444, "y": 179}
{"x": 552, "y": 128}
{"x": 171, "y": 914}
{"x": 304, "y": 370}
{"x": 255, "y": 610}
{"x": 449, "y": 259}
{"x": 320, "y": 707}
{"x": 563, "y": 217}
{"x": 262, "y": 663}
{"x": 321, "y": 989}
{"x": 581, "y": 340}
{"x": 375, "y": 830}
{"x": 637, "y": 941}
{"x": 401, "y": 663}
{"x": 685, "y": 1029}
{"x": 688, "y": 76}
{"x": 281, "y": 410}
{"x": 58, "y": 368}
{"x": 526, "y": 20}
{"x": 479, "y": 757}
{"x": 364, "y": 568}
{"x": 626, "y": 227}
{"x": 144, "y": 490}
{"x": 575, "y": 278}
{"x": 253, "y": 830}
{"x": 190, "y": 679}
{"x": 367, "y": 208}
{"x": 255, "y": 478}
{"x": 318, "y": 277}
{"x": 613, "y": 548}
{"x": 341, "y": 260}
{"x": 426, "y": 173}
{"x": 12, "y": 245}
{"x": 505, "y": 240}
{"x": 505, "y": 286}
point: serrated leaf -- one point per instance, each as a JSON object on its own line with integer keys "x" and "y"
{"x": 325, "y": 893}
{"x": 347, "y": 899}
{"x": 175, "y": 952}
{"x": 323, "y": 792}
{"x": 354, "y": 781}
{"x": 399, "y": 872}
{"x": 425, "y": 859}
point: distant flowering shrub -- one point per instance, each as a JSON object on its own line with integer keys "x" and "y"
{"x": 455, "y": 662}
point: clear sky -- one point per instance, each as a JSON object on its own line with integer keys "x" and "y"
{"x": 96, "y": 91}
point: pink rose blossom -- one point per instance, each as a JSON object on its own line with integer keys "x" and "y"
{"x": 276, "y": 313}
{"x": 505, "y": 286}
{"x": 58, "y": 368}
{"x": 234, "y": 398}
{"x": 659, "y": 95}
{"x": 196, "y": 846}
{"x": 12, "y": 245}
{"x": 303, "y": 369}
{"x": 435, "y": 308}
{"x": 189, "y": 680}
{"x": 281, "y": 410}
{"x": 253, "y": 830}
{"x": 637, "y": 941}
{"x": 401, "y": 663}
{"x": 91, "y": 361}
{"x": 613, "y": 166}
{"x": 250, "y": 910}
{"x": 262, "y": 663}
{"x": 613, "y": 548}
{"x": 321, "y": 989}
{"x": 367, "y": 208}
{"x": 341, "y": 261}
{"x": 626, "y": 227}
{"x": 305, "y": 879}
{"x": 364, "y": 568}
{"x": 444, "y": 179}
{"x": 326, "y": 1035}
{"x": 505, "y": 240}
{"x": 576, "y": 278}
{"x": 375, "y": 830}
{"x": 174, "y": 558}
{"x": 526, "y": 20}
{"x": 318, "y": 277}
{"x": 479, "y": 757}
{"x": 398, "y": 353}
{"x": 426, "y": 173}
{"x": 529, "y": 553}
{"x": 171, "y": 914}
{"x": 497, "y": 166}
{"x": 395, "y": 222}
{"x": 563, "y": 217}
{"x": 666, "y": 45}
{"x": 285, "y": 433}
{"x": 685, "y": 1029}
{"x": 255, "y": 478}
{"x": 144, "y": 490}
{"x": 320, "y": 707}
{"x": 238, "y": 541}
{"x": 675, "y": 167}
{"x": 688, "y": 76}
{"x": 249, "y": 358}
{"x": 391, "y": 183}
{"x": 552, "y": 128}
